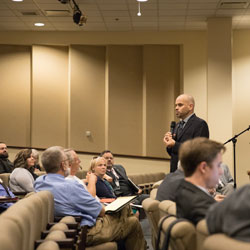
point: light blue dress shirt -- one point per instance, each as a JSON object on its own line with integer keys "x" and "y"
{"x": 70, "y": 198}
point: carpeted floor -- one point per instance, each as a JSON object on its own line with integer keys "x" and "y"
{"x": 147, "y": 232}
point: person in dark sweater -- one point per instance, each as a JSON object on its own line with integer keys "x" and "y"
{"x": 6, "y": 166}
{"x": 103, "y": 187}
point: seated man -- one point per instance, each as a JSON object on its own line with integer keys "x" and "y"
{"x": 167, "y": 189}
{"x": 226, "y": 182}
{"x": 201, "y": 161}
{"x": 71, "y": 199}
{"x": 74, "y": 165}
{"x": 6, "y": 166}
{"x": 121, "y": 184}
{"x": 231, "y": 216}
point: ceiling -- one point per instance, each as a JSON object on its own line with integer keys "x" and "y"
{"x": 121, "y": 15}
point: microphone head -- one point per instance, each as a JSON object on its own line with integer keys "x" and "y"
{"x": 173, "y": 124}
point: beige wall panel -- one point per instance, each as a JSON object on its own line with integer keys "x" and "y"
{"x": 87, "y": 98}
{"x": 220, "y": 82}
{"x": 241, "y": 94}
{"x": 15, "y": 65}
{"x": 162, "y": 71}
{"x": 50, "y": 88}
{"x": 125, "y": 99}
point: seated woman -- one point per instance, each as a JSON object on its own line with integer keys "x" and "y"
{"x": 103, "y": 188}
{"x": 22, "y": 177}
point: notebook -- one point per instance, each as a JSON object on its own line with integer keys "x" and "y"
{"x": 119, "y": 203}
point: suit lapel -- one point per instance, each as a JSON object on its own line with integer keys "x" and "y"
{"x": 120, "y": 173}
{"x": 187, "y": 125}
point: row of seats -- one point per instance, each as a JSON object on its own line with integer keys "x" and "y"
{"x": 25, "y": 223}
{"x": 144, "y": 181}
{"x": 184, "y": 235}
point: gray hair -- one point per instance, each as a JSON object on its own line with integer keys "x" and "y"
{"x": 52, "y": 158}
{"x": 35, "y": 153}
{"x": 68, "y": 153}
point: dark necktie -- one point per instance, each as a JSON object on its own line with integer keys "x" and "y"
{"x": 180, "y": 127}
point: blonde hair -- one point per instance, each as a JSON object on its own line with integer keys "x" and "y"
{"x": 93, "y": 163}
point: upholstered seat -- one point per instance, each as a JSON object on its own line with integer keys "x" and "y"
{"x": 223, "y": 242}
{"x": 151, "y": 209}
{"x": 182, "y": 236}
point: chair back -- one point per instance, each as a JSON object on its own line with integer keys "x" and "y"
{"x": 223, "y": 242}
{"x": 151, "y": 208}
{"x": 167, "y": 207}
{"x": 182, "y": 234}
{"x": 5, "y": 178}
{"x": 201, "y": 233}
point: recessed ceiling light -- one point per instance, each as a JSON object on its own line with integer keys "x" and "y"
{"x": 17, "y": 0}
{"x": 141, "y": 0}
{"x": 39, "y": 24}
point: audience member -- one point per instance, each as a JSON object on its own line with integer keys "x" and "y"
{"x": 74, "y": 165}
{"x": 35, "y": 155}
{"x": 167, "y": 189}
{"x": 231, "y": 216}
{"x": 121, "y": 184}
{"x": 190, "y": 126}
{"x": 226, "y": 183}
{"x": 201, "y": 160}
{"x": 22, "y": 177}
{"x": 71, "y": 199}
{"x": 5, "y": 192}
{"x": 103, "y": 187}
{"x": 6, "y": 166}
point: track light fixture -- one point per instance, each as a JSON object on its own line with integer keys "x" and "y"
{"x": 78, "y": 17}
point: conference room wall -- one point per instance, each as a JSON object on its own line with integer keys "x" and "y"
{"x": 87, "y": 98}
{"x": 241, "y": 102}
{"x": 192, "y": 63}
{"x": 49, "y": 106}
{"x": 15, "y": 87}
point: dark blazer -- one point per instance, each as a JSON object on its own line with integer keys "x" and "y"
{"x": 231, "y": 216}
{"x": 120, "y": 170}
{"x": 195, "y": 127}
{"x": 167, "y": 189}
{"x": 192, "y": 203}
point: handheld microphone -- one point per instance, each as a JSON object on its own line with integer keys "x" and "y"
{"x": 172, "y": 127}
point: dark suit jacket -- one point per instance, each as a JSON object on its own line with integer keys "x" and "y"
{"x": 167, "y": 189}
{"x": 231, "y": 216}
{"x": 6, "y": 166}
{"x": 120, "y": 170}
{"x": 195, "y": 127}
{"x": 192, "y": 203}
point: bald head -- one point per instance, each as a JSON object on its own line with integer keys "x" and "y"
{"x": 184, "y": 106}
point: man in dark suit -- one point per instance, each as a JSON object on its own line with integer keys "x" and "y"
{"x": 190, "y": 126}
{"x": 201, "y": 160}
{"x": 120, "y": 182}
{"x": 6, "y": 166}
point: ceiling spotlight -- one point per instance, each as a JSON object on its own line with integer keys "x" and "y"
{"x": 79, "y": 18}
{"x": 139, "y": 9}
{"x": 39, "y": 24}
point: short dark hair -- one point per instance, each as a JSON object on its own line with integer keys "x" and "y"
{"x": 197, "y": 150}
{"x": 104, "y": 152}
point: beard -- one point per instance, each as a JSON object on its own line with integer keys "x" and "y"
{"x": 67, "y": 172}
{"x": 4, "y": 155}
